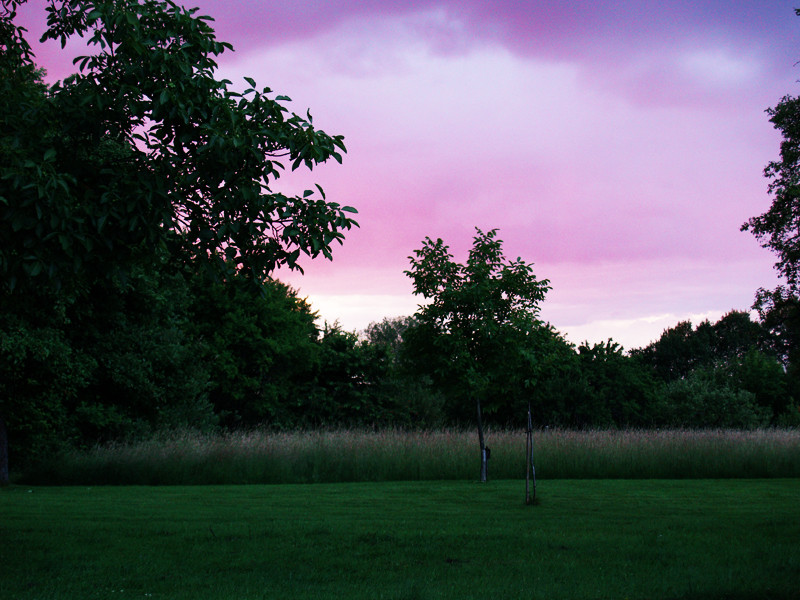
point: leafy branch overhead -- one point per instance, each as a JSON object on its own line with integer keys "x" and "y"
{"x": 145, "y": 148}
{"x": 778, "y": 229}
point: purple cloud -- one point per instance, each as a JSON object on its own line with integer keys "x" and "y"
{"x": 619, "y": 146}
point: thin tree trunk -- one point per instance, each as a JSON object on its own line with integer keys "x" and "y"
{"x": 3, "y": 453}
{"x": 484, "y": 449}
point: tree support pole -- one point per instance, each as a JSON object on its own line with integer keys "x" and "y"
{"x": 530, "y": 470}
{"x": 484, "y": 449}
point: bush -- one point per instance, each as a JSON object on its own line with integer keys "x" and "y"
{"x": 701, "y": 400}
{"x": 40, "y": 378}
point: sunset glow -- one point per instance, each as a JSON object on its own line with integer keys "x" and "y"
{"x": 617, "y": 145}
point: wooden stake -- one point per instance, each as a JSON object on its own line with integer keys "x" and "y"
{"x": 530, "y": 470}
{"x": 484, "y": 449}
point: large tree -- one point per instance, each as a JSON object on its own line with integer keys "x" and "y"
{"x": 141, "y": 167}
{"x": 778, "y": 229}
{"x": 473, "y": 330}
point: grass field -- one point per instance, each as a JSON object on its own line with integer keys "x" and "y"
{"x": 689, "y": 539}
{"x": 347, "y": 456}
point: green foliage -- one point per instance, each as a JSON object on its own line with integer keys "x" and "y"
{"x": 764, "y": 377}
{"x": 734, "y": 363}
{"x": 259, "y": 348}
{"x": 778, "y": 228}
{"x": 144, "y": 148}
{"x": 147, "y": 374}
{"x": 472, "y": 340}
{"x": 113, "y": 366}
{"x": 703, "y": 400}
{"x": 682, "y": 348}
{"x": 472, "y": 337}
{"x": 596, "y": 385}
{"x": 411, "y": 399}
{"x": 736, "y": 334}
{"x": 136, "y": 213}
{"x": 678, "y": 350}
{"x": 363, "y": 383}
{"x": 388, "y": 335}
{"x": 619, "y": 390}
{"x": 779, "y": 311}
{"x": 41, "y": 376}
{"x": 345, "y": 374}
{"x": 559, "y": 385}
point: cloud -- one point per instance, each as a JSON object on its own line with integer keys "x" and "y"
{"x": 627, "y": 138}
{"x": 440, "y": 143}
{"x": 720, "y": 67}
{"x": 630, "y": 36}
{"x": 633, "y": 333}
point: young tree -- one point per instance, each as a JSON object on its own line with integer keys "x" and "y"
{"x": 477, "y": 320}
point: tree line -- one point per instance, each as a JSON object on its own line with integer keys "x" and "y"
{"x": 140, "y": 233}
{"x": 171, "y": 350}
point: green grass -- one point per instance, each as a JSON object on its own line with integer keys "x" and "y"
{"x": 686, "y": 539}
{"x": 340, "y": 456}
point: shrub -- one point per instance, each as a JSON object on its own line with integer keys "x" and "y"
{"x": 702, "y": 400}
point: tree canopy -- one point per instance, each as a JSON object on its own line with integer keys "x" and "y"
{"x": 778, "y": 229}
{"x": 135, "y": 196}
{"x": 145, "y": 148}
{"x": 475, "y": 309}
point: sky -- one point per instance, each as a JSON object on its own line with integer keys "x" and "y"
{"x": 618, "y": 146}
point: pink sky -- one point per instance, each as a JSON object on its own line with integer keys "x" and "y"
{"x": 617, "y": 145}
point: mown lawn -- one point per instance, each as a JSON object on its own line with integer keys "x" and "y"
{"x": 585, "y": 539}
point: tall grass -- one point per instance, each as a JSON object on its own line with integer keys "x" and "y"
{"x": 189, "y": 458}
